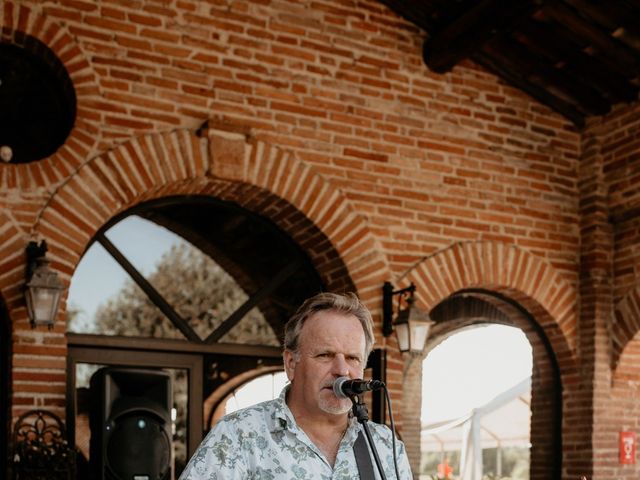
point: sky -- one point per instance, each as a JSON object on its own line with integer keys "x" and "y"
{"x": 464, "y": 371}
{"x": 141, "y": 241}
{"x": 472, "y": 367}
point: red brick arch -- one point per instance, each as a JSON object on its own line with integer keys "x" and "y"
{"x": 18, "y": 21}
{"x": 509, "y": 270}
{"x": 258, "y": 176}
{"x": 13, "y": 241}
{"x": 13, "y": 317}
{"x": 626, "y": 326}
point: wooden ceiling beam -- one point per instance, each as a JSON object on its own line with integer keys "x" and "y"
{"x": 556, "y": 46}
{"x": 633, "y": 3}
{"x": 467, "y": 33}
{"x": 576, "y": 56}
{"x": 612, "y": 14}
{"x": 561, "y": 106}
{"x": 617, "y": 52}
{"x": 413, "y": 10}
{"x": 532, "y": 67}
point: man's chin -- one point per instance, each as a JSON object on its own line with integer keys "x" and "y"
{"x": 336, "y": 406}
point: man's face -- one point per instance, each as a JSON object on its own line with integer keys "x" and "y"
{"x": 331, "y": 345}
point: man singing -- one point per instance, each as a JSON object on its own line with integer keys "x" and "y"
{"x": 308, "y": 432}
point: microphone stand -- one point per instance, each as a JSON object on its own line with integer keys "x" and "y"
{"x": 362, "y": 415}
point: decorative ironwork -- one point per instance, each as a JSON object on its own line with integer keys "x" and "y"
{"x": 40, "y": 448}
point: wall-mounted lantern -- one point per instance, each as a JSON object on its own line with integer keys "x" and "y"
{"x": 43, "y": 287}
{"x": 411, "y": 325}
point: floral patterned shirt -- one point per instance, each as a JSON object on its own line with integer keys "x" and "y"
{"x": 263, "y": 442}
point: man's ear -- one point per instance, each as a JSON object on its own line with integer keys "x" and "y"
{"x": 290, "y": 360}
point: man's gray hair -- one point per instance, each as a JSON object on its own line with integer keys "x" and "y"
{"x": 347, "y": 304}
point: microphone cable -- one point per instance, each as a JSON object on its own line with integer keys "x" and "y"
{"x": 393, "y": 430}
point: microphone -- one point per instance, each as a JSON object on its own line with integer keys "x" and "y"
{"x": 344, "y": 387}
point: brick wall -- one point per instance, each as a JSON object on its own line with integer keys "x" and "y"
{"x": 322, "y": 116}
{"x": 612, "y": 140}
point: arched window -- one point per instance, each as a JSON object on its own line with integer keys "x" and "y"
{"x": 196, "y": 286}
{"x": 106, "y": 298}
{"x": 260, "y": 389}
{"x": 477, "y": 402}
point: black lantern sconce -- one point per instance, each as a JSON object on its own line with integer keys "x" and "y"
{"x": 43, "y": 287}
{"x": 411, "y": 325}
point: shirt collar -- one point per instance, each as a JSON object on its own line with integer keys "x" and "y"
{"x": 283, "y": 419}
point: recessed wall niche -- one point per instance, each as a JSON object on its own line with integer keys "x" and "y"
{"x": 37, "y": 101}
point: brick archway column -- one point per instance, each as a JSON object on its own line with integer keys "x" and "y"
{"x": 12, "y": 273}
{"x": 596, "y": 291}
{"x": 510, "y": 271}
{"x": 35, "y": 365}
{"x": 626, "y": 325}
{"x": 12, "y": 256}
{"x": 412, "y": 410}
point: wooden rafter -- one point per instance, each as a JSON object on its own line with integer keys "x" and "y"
{"x": 556, "y": 46}
{"x": 523, "y": 61}
{"x": 618, "y": 54}
{"x": 565, "y": 108}
{"x": 460, "y": 38}
{"x": 578, "y": 57}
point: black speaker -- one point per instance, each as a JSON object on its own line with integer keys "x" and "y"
{"x": 130, "y": 422}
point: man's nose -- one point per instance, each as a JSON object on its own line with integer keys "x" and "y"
{"x": 340, "y": 366}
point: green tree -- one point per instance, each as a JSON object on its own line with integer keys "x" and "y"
{"x": 198, "y": 289}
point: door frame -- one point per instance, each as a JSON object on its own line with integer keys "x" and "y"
{"x": 157, "y": 353}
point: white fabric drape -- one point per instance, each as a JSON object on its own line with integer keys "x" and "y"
{"x": 471, "y": 452}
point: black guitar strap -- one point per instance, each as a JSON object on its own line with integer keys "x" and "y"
{"x": 363, "y": 459}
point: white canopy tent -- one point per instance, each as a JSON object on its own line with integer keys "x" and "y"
{"x": 503, "y": 421}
